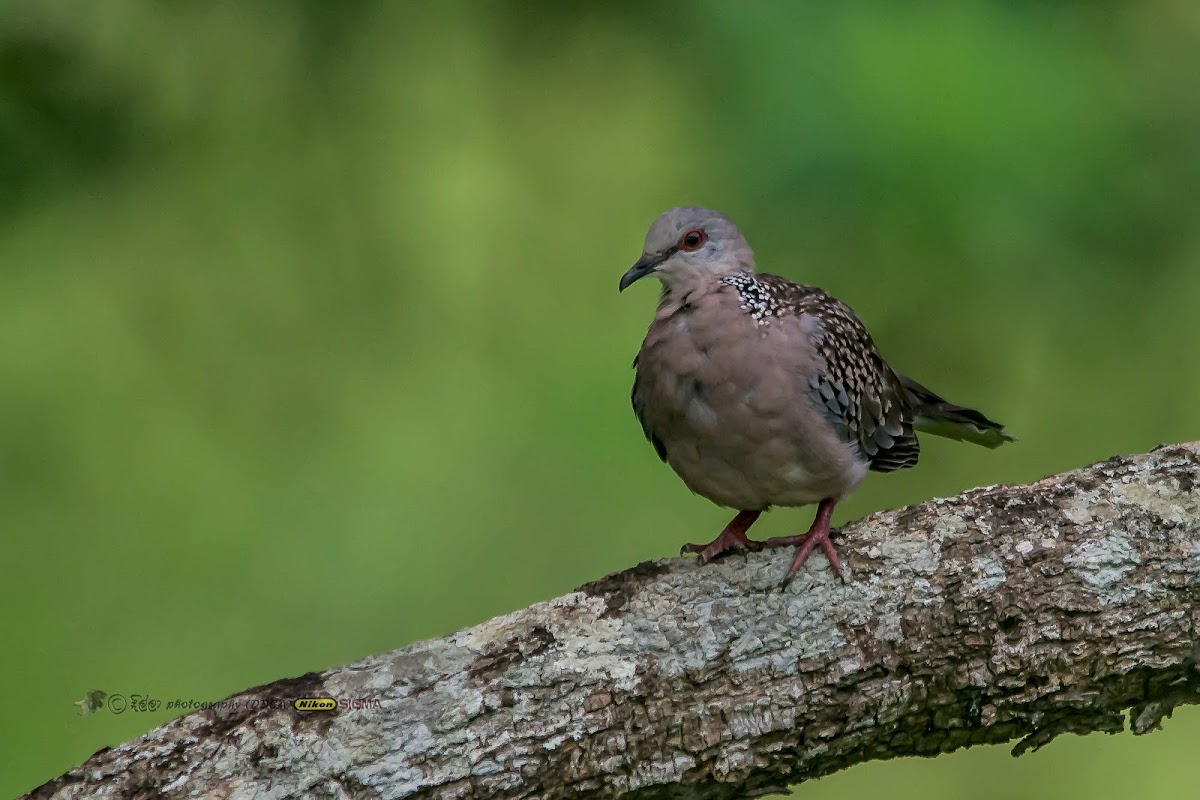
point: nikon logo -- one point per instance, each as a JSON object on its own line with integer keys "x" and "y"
{"x": 315, "y": 704}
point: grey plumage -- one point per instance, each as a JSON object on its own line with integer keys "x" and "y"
{"x": 759, "y": 391}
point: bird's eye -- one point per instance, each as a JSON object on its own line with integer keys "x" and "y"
{"x": 692, "y": 240}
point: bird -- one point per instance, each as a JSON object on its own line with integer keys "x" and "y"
{"x": 760, "y": 392}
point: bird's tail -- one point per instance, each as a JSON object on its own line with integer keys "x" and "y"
{"x": 934, "y": 415}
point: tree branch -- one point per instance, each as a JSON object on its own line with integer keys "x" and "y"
{"x": 1005, "y": 612}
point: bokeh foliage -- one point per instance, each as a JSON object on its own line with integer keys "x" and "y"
{"x": 310, "y": 344}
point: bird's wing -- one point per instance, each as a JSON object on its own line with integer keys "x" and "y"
{"x": 858, "y": 392}
{"x": 639, "y": 410}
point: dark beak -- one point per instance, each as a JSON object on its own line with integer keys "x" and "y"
{"x": 644, "y": 266}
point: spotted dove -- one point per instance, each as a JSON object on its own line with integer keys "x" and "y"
{"x": 761, "y": 392}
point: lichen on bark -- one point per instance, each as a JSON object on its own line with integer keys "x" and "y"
{"x": 1007, "y": 612}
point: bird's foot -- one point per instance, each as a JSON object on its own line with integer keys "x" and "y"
{"x": 732, "y": 539}
{"x": 725, "y": 543}
{"x": 818, "y": 534}
{"x": 806, "y": 543}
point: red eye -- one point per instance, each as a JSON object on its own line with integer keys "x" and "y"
{"x": 692, "y": 240}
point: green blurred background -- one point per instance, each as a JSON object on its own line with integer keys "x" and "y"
{"x": 310, "y": 343}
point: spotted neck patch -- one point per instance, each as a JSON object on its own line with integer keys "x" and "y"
{"x": 757, "y": 298}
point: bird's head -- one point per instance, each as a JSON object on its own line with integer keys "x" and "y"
{"x": 690, "y": 245}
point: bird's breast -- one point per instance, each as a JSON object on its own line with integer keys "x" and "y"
{"x": 729, "y": 401}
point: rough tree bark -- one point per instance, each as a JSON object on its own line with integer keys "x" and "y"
{"x": 1005, "y": 612}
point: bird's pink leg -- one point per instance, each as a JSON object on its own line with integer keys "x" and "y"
{"x": 818, "y": 534}
{"x": 732, "y": 539}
